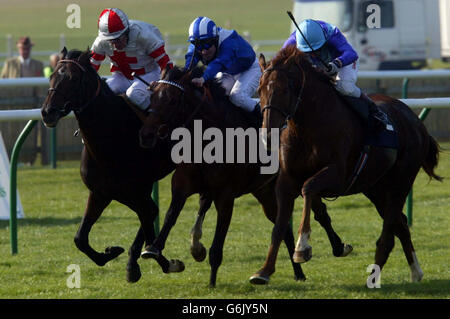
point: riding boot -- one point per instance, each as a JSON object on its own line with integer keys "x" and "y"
{"x": 377, "y": 119}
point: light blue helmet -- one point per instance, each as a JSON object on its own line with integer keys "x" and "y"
{"x": 313, "y": 33}
{"x": 202, "y": 28}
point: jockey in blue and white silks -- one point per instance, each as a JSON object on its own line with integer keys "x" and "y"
{"x": 325, "y": 42}
{"x": 229, "y": 58}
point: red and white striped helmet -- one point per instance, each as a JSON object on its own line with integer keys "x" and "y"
{"x": 112, "y": 23}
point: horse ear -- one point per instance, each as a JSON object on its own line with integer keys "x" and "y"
{"x": 63, "y": 53}
{"x": 262, "y": 62}
{"x": 165, "y": 70}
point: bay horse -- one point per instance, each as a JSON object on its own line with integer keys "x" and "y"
{"x": 175, "y": 103}
{"x": 113, "y": 165}
{"x": 321, "y": 140}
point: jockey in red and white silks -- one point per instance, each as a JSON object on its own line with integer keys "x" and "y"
{"x": 132, "y": 46}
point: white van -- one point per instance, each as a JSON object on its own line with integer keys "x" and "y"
{"x": 408, "y": 32}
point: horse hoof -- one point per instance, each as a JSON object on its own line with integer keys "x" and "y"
{"x": 175, "y": 265}
{"x": 133, "y": 273}
{"x": 259, "y": 280}
{"x": 199, "y": 254}
{"x": 302, "y": 256}
{"x": 347, "y": 250}
{"x": 113, "y": 252}
{"x": 300, "y": 278}
{"x": 151, "y": 252}
{"x": 416, "y": 277}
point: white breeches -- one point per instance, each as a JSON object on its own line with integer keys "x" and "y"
{"x": 241, "y": 87}
{"x": 135, "y": 89}
{"x": 346, "y": 80}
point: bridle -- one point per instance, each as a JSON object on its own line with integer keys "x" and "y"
{"x": 66, "y": 108}
{"x": 287, "y": 116}
{"x": 163, "y": 127}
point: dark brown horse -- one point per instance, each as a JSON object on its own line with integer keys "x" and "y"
{"x": 113, "y": 165}
{"x": 320, "y": 146}
{"x": 176, "y": 103}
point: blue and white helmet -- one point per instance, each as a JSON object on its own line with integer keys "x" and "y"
{"x": 202, "y": 28}
{"x": 313, "y": 33}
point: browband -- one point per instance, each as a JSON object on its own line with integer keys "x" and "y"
{"x": 172, "y": 83}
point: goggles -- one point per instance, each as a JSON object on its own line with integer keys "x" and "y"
{"x": 206, "y": 44}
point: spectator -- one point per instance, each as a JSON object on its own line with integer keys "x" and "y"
{"x": 54, "y": 59}
{"x": 23, "y": 65}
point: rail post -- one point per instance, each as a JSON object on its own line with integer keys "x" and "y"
{"x": 409, "y": 199}
{"x": 53, "y": 157}
{"x": 13, "y": 184}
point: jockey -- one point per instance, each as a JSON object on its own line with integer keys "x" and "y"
{"x": 132, "y": 46}
{"x": 325, "y": 42}
{"x": 230, "y": 59}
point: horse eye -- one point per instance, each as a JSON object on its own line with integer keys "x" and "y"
{"x": 61, "y": 71}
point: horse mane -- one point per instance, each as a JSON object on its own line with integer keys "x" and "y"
{"x": 301, "y": 59}
{"x": 216, "y": 89}
{"x": 75, "y": 54}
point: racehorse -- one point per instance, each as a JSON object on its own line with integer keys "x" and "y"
{"x": 321, "y": 140}
{"x": 113, "y": 165}
{"x": 175, "y": 103}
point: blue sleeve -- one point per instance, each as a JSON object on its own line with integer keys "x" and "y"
{"x": 189, "y": 56}
{"x": 347, "y": 54}
{"x": 290, "y": 41}
{"x": 223, "y": 59}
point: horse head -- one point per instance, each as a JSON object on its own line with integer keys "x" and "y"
{"x": 73, "y": 85}
{"x": 172, "y": 104}
{"x": 280, "y": 89}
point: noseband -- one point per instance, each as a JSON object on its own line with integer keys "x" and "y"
{"x": 66, "y": 109}
{"x": 287, "y": 115}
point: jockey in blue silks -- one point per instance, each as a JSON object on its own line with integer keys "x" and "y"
{"x": 229, "y": 58}
{"x": 325, "y": 42}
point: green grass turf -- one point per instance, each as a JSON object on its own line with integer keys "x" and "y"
{"x": 54, "y": 202}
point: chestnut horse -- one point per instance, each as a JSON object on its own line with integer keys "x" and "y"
{"x": 175, "y": 103}
{"x": 113, "y": 165}
{"x": 320, "y": 145}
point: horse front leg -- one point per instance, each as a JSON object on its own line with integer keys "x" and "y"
{"x": 133, "y": 269}
{"x": 95, "y": 205}
{"x": 181, "y": 190}
{"x": 198, "y": 251}
{"x": 321, "y": 215}
{"x": 147, "y": 210}
{"x": 326, "y": 179}
{"x": 286, "y": 192}
{"x": 224, "y": 206}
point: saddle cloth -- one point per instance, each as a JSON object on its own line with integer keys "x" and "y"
{"x": 385, "y": 137}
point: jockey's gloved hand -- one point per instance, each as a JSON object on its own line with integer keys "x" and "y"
{"x": 333, "y": 68}
{"x": 198, "y": 81}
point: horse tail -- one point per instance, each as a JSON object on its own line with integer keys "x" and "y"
{"x": 432, "y": 159}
